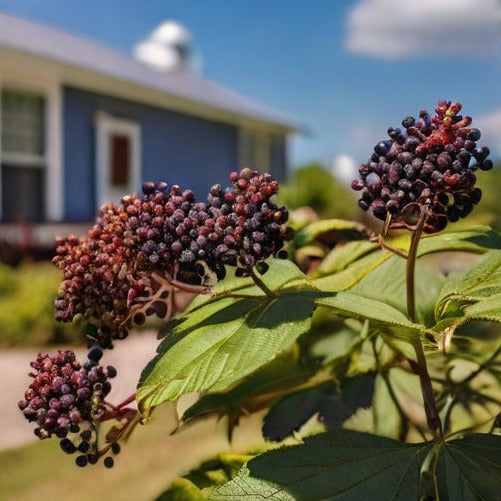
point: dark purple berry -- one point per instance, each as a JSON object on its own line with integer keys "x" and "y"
{"x": 67, "y": 446}
{"x": 81, "y": 461}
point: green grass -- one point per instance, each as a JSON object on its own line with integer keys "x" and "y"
{"x": 145, "y": 467}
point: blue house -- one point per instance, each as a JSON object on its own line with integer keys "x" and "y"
{"x": 82, "y": 124}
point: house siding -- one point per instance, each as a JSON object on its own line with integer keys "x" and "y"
{"x": 278, "y": 160}
{"x": 177, "y": 148}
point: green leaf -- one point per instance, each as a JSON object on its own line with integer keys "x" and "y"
{"x": 352, "y": 274}
{"x": 470, "y": 468}
{"x": 313, "y": 230}
{"x": 387, "y": 284}
{"x": 202, "y": 480}
{"x": 339, "y": 341}
{"x": 223, "y": 342}
{"x": 332, "y": 406}
{"x": 341, "y": 464}
{"x": 292, "y": 411}
{"x": 348, "y": 261}
{"x": 378, "y": 313}
{"x": 488, "y": 309}
{"x": 480, "y": 282}
{"x": 281, "y": 274}
{"x": 387, "y": 419}
{"x": 343, "y": 255}
{"x": 182, "y": 489}
{"x": 253, "y": 393}
{"x": 476, "y": 239}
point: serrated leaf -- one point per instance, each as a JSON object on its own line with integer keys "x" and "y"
{"x": 255, "y": 392}
{"x": 482, "y": 281}
{"x": 379, "y": 314}
{"x": 470, "y": 468}
{"x": 224, "y": 345}
{"x": 488, "y": 309}
{"x": 340, "y": 464}
{"x": 313, "y": 230}
{"x": 281, "y": 274}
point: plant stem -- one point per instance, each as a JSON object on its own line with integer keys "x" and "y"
{"x": 411, "y": 264}
{"x": 399, "y": 252}
{"x": 421, "y": 368}
{"x": 430, "y": 406}
{"x": 260, "y": 283}
{"x": 127, "y": 401}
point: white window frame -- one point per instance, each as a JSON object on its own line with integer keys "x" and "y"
{"x": 52, "y": 158}
{"x": 106, "y": 125}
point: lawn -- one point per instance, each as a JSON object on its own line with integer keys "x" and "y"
{"x": 146, "y": 465}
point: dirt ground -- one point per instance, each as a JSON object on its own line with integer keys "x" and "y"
{"x": 129, "y": 357}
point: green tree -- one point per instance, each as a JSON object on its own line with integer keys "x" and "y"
{"x": 312, "y": 185}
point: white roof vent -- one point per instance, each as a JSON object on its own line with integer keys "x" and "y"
{"x": 167, "y": 48}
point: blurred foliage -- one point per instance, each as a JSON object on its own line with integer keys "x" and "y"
{"x": 490, "y": 184}
{"x": 27, "y": 296}
{"x": 313, "y": 186}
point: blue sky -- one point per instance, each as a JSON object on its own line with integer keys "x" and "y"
{"x": 345, "y": 69}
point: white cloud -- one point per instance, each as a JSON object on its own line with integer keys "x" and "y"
{"x": 166, "y": 48}
{"x": 490, "y": 125}
{"x": 400, "y": 28}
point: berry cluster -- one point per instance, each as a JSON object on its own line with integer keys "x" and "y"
{"x": 98, "y": 273}
{"x": 248, "y": 225}
{"x": 430, "y": 163}
{"x": 66, "y": 399}
{"x": 165, "y": 234}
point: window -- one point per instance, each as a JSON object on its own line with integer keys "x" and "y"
{"x": 118, "y": 144}
{"x": 22, "y": 154}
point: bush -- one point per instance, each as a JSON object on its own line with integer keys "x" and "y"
{"x": 27, "y": 296}
{"x": 395, "y": 367}
{"x": 313, "y": 186}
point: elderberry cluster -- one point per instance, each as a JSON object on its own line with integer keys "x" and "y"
{"x": 248, "y": 225}
{"x": 66, "y": 399}
{"x": 98, "y": 271}
{"x": 430, "y": 162}
{"x": 165, "y": 233}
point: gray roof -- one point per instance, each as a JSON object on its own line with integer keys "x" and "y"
{"x": 62, "y": 47}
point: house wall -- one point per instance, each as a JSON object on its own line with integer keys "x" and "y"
{"x": 177, "y": 148}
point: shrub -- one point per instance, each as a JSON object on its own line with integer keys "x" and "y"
{"x": 27, "y": 296}
{"x": 398, "y": 367}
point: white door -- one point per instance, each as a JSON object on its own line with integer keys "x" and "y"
{"x": 118, "y": 158}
